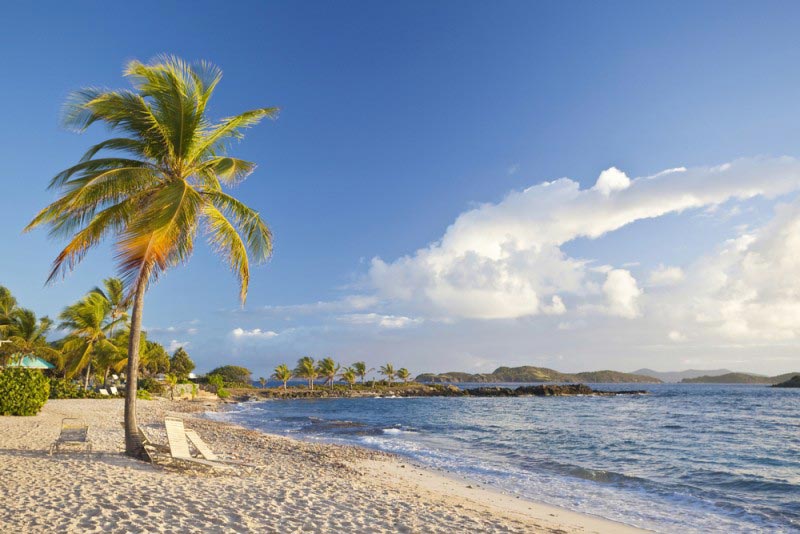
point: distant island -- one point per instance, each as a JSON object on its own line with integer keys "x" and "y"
{"x": 740, "y": 378}
{"x": 677, "y": 376}
{"x": 793, "y": 382}
{"x": 528, "y": 373}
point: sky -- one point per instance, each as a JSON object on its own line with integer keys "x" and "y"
{"x": 454, "y": 185}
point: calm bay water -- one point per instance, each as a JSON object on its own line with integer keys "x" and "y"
{"x": 687, "y": 458}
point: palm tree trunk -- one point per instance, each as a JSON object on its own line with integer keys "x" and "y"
{"x": 86, "y": 380}
{"x": 133, "y": 445}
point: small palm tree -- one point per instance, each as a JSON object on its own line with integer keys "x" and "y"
{"x": 328, "y": 369}
{"x": 349, "y": 376}
{"x": 307, "y": 369}
{"x": 360, "y": 369}
{"x": 388, "y": 371}
{"x": 114, "y": 292}
{"x": 87, "y": 325}
{"x": 155, "y": 199}
{"x": 403, "y": 374}
{"x": 263, "y": 382}
{"x": 171, "y": 381}
{"x": 283, "y": 373}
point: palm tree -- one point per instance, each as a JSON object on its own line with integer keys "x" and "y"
{"x": 349, "y": 376}
{"x": 360, "y": 369}
{"x": 283, "y": 373}
{"x": 26, "y": 333}
{"x": 86, "y": 322}
{"x": 403, "y": 374}
{"x": 114, "y": 292}
{"x": 262, "y": 381}
{"x": 306, "y": 369}
{"x": 388, "y": 371}
{"x": 153, "y": 200}
{"x": 328, "y": 369}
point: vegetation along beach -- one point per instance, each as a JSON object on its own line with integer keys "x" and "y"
{"x": 419, "y": 267}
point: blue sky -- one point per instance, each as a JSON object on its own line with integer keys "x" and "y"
{"x": 396, "y": 120}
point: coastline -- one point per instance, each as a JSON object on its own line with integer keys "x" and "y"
{"x": 303, "y": 486}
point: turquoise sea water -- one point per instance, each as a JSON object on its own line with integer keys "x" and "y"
{"x": 687, "y": 458}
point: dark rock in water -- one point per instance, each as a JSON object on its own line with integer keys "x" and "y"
{"x": 793, "y": 382}
{"x": 544, "y": 390}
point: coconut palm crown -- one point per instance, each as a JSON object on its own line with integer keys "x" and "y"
{"x": 154, "y": 186}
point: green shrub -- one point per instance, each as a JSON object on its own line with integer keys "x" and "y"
{"x": 65, "y": 389}
{"x": 22, "y": 391}
{"x": 217, "y": 381}
{"x": 151, "y": 385}
{"x": 143, "y": 394}
{"x": 233, "y": 375}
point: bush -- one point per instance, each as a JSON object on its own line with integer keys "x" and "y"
{"x": 23, "y": 391}
{"x": 143, "y": 394}
{"x": 216, "y": 381}
{"x": 233, "y": 375}
{"x": 65, "y": 389}
{"x": 151, "y": 385}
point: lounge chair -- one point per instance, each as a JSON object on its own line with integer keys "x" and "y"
{"x": 113, "y": 391}
{"x": 103, "y": 392}
{"x": 206, "y": 452}
{"x": 179, "y": 448}
{"x": 74, "y": 434}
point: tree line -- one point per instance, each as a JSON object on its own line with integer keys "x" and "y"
{"x": 97, "y": 335}
{"x": 328, "y": 370}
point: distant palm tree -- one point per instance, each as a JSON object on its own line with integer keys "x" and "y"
{"x": 388, "y": 371}
{"x": 263, "y": 382}
{"x": 360, "y": 369}
{"x": 403, "y": 374}
{"x": 307, "y": 369}
{"x": 349, "y": 376}
{"x": 328, "y": 369}
{"x": 171, "y": 381}
{"x": 86, "y": 321}
{"x": 153, "y": 202}
{"x": 114, "y": 292}
{"x": 283, "y": 373}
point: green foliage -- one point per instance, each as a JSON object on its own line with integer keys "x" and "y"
{"x": 143, "y": 394}
{"x": 151, "y": 385}
{"x": 233, "y": 375}
{"x": 306, "y": 368}
{"x": 61, "y": 388}
{"x": 195, "y": 390}
{"x": 23, "y": 391}
{"x": 217, "y": 381}
{"x": 283, "y": 373}
{"x": 180, "y": 364}
{"x": 154, "y": 358}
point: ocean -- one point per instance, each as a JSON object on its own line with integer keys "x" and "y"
{"x": 686, "y": 458}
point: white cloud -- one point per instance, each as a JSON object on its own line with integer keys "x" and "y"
{"x": 505, "y": 260}
{"x": 256, "y": 333}
{"x": 665, "y": 276}
{"x": 384, "y": 321}
{"x": 676, "y": 336}
{"x": 622, "y": 294}
{"x": 611, "y": 180}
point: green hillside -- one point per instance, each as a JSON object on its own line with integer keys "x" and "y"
{"x": 739, "y": 378}
{"x": 529, "y": 373}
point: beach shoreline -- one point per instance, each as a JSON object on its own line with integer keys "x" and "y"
{"x": 302, "y": 486}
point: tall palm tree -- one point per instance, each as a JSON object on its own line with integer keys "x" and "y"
{"x": 86, "y": 321}
{"x": 153, "y": 199}
{"x": 349, "y": 376}
{"x": 307, "y": 369}
{"x": 328, "y": 369}
{"x": 388, "y": 371}
{"x": 403, "y": 374}
{"x": 360, "y": 369}
{"x": 283, "y": 373}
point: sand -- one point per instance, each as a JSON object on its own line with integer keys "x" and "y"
{"x": 302, "y": 487}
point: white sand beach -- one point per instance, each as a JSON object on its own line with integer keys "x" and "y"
{"x": 303, "y": 487}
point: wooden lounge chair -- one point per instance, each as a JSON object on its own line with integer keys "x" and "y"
{"x": 206, "y": 452}
{"x": 74, "y": 435}
{"x": 113, "y": 391}
{"x": 179, "y": 449}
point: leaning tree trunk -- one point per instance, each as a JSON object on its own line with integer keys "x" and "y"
{"x": 86, "y": 381}
{"x": 133, "y": 444}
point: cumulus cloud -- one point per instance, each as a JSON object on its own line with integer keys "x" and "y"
{"x": 676, "y": 336}
{"x": 665, "y": 276}
{"x": 505, "y": 260}
{"x": 256, "y": 333}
